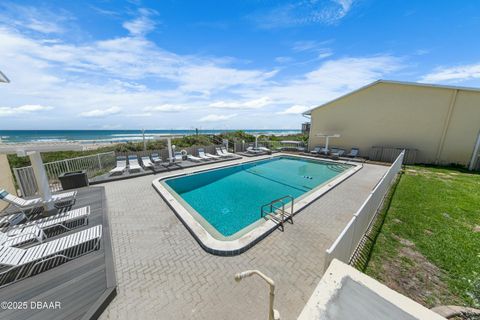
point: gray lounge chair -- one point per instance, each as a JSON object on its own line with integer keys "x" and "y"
{"x": 316, "y": 150}
{"x": 17, "y": 264}
{"x": 354, "y": 152}
{"x": 336, "y": 153}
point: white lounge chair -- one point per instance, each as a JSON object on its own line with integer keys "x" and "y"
{"x": 35, "y": 230}
{"x": 212, "y": 156}
{"x": 133, "y": 165}
{"x": 193, "y": 158}
{"x": 66, "y": 220}
{"x": 28, "y": 235}
{"x": 219, "y": 152}
{"x": 202, "y": 155}
{"x": 252, "y": 150}
{"x": 156, "y": 158}
{"x": 17, "y": 263}
{"x": 147, "y": 163}
{"x": 225, "y": 152}
{"x": 60, "y": 200}
{"x": 354, "y": 152}
{"x": 177, "y": 156}
{"x": 121, "y": 166}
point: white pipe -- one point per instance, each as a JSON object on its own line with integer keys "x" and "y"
{"x": 170, "y": 154}
{"x": 41, "y": 178}
{"x": 272, "y": 313}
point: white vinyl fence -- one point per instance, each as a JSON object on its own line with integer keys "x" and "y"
{"x": 348, "y": 241}
{"x": 93, "y": 165}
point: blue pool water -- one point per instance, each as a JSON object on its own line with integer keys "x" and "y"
{"x": 230, "y": 198}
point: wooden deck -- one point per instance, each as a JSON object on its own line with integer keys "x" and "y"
{"x": 79, "y": 289}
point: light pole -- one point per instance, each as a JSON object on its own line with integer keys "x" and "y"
{"x": 272, "y": 313}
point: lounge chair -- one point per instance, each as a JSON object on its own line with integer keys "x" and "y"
{"x": 28, "y": 235}
{"x": 35, "y": 230}
{"x": 17, "y": 263}
{"x": 252, "y": 150}
{"x": 121, "y": 166}
{"x": 336, "y": 153}
{"x": 133, "y": 164}
{"x": 156, "y": 158}
{"x": 66, "y": 220}
{"x": 212, "y": 156}
{"x": 147, "y": 163}
{"x": 316, "y": 150}
{"x": 193, "y": 158}
{"x": 220, "y": 153}
{"x": 60, "y": 200}
{"x": 353, "y": 153}
{"x": 225, "y": 152}
{"x": 202, "y": 155}
{"x": 177, "y": 157}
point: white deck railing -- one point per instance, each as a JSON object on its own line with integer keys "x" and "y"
{"x": 93, "y": 165}
{"x": 349, "y": 239}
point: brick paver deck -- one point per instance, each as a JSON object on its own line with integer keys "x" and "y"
{"x": 163, "y": 273}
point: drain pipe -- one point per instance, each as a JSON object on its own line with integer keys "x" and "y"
{"x": 272, "y": 313}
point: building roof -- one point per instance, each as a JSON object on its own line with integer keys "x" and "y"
{"x": 406, "y": 83}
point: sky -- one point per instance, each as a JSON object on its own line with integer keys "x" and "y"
{"x": 244, "y": 64}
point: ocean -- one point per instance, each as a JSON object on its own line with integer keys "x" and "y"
{"x": 106, "y": 136}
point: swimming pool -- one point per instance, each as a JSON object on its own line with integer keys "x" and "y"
{"x": 226, "y": 202}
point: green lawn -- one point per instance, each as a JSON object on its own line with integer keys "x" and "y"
{"x": 429, "y": 245}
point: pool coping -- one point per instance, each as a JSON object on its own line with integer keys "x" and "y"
{"x": 245, "y": 242}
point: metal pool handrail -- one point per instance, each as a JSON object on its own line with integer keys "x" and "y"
{"x": 283, "y": 215}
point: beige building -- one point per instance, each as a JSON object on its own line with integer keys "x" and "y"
{"x": 6, "y": 178}
{"x": 441, "y": 123}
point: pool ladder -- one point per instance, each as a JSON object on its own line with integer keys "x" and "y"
{"x": 277, "y": 211}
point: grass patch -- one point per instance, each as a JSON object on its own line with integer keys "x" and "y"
{"x": 429, "y": 245}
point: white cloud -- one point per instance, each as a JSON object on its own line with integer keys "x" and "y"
{"x": 284, "y": 59}
{"x": 150, "y": 85}
{"x": 295, "y": 109}
{"x": 250, "y": 104}
{"x": 166, "y": 108}
{"x": 454, "y": 74}
{"x": 99, "y": 113}
{"x": 330, "y": 79}
{"x": 142, "y": 24}
{"x": 303, "y": 12}
{"x": 36, "y": 19}
{"x": 216, "y": 117}
{"x": 28, "y": 108}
